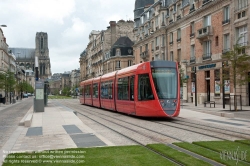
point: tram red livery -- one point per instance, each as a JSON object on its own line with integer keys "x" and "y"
{"x": 149, "y": 89}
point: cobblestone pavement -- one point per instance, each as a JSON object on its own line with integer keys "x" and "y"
{"x": 10, "y": 116}
{"x": 185, "y": 133}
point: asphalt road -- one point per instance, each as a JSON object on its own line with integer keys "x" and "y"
{"x": 10, "y": 116}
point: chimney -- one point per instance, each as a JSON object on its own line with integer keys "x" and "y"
{"x": 113, "y": 31}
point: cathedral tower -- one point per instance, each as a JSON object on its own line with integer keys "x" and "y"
{"x": 42, "y": 52}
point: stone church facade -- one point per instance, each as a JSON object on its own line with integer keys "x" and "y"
{"x": 26, "y": 56}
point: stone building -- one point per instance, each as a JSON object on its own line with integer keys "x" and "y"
{"x": 95, "y": 58}
{"x": 26, "y": 56}
{"x": 196, "y": 34}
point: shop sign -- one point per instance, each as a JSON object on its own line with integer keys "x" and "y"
{"x": 207, "y": 66}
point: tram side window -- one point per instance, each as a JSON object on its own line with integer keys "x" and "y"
{"x": 123, "y": 88}
{"x": 95, "y": 90}
{"x": 87, "y": 91}
{"x": 144, "y": 88}
{"x": 131, "y": 92}
{"x": 110, "y": 92}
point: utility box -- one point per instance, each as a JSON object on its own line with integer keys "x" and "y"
{"x": 39, "y": 97}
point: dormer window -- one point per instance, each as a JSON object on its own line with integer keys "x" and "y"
{"x": 118, "y": 52}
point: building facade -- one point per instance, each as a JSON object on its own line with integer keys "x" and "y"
{"x": 104, "y": 52}
{"x": 196, "y": 34}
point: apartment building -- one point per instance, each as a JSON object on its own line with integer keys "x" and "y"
{"x": 195, "y": 33}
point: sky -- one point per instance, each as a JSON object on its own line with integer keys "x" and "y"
{"x": 68, "y": 24}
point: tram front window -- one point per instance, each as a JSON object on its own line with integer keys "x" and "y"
{"x": 165, "y": 81}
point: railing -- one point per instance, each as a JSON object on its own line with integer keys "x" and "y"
{"x": 192, "y": 59}
{"x": 170, "y": 43}
{"x": 206, "y": 2}
{"x": 207, "y": 56}
{"x": 225, "y": 50}
{"x": 144, "y": 54}
{"x": 241, "y": 8}
{"x": 171, "y": 21}
{"x": 192, "y": 8}
{"x": 178, "y": 40}
{"x": 226, "y": 21}
{"x": 192, "y": 35}
{"x": 178, "y": 17}
{"x": 157, "y": 48}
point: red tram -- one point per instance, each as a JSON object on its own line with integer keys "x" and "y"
{"x": 149, "y": 89}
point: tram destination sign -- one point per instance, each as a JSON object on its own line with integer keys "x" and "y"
{"x": 207, "y": 66}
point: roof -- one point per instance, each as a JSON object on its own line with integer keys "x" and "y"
{"x": 22, "y": 53}
{"x": 123, "y": 42}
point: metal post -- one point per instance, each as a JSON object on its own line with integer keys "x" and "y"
{"x": 195, "y": 85}
{"x": 223, "y": 87}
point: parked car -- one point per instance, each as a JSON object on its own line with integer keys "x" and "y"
{"x": 25, "y": 95}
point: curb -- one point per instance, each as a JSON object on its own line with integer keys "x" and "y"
{"x": 27, "y": 119}
{"x": 222, "y": 114}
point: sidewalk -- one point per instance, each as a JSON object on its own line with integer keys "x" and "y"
{"x": 55, "y": 128}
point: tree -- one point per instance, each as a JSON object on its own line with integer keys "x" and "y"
{"x": 7, "y": 82}
{"x": 236, "y": 65}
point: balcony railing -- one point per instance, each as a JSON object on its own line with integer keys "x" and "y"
{"x": 192, "y": 59}
{"x": 170, "y": 43}
{"x": 144, "y": 54}
{"x": 178, "y": 17}
{"x": 171, "y": 21}
{"x": 206, "y": 2}
{"x": 178, "y": 40}
{"x": 157, "y": 48}
{"x": 225, "y": 50}
{"x": 192, "y": 35}
{"x": 226, "y": 21}
{"x": 207, "y": 56}
{"x": 192, "y": 8}
{"x": 204, "y": 32}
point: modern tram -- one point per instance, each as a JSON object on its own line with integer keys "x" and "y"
{"x": 149, "y": 89}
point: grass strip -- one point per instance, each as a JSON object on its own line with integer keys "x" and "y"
{"x": 177, "y": 155}
{"x": 227, "y": 147}
{"x": 243, "y": 141}
{"x": 210, "y": 154}
{"x": 99, "y": 156}
{"x": 59, "y": 97}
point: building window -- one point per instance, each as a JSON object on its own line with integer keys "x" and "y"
{"x": 242, "y": 35}
{"x": 217, "y": 41}
{"x": 226, "y": 41}
{"x": 156, "y": 22}
{"x": 192, "y": 50}
{"x": 226, "y": 15}
{"x": 192, "y": 29}
{"x": 179, "y": 35}
{"x": 140, "y": 49}
{"x": 171, "y": 56}
{"x": 130, "y": 62}
{"x": 163, "y": 40}
{"x": 171, "y": 38}
{"x": 206, "y": 50}
{"x": 241, "y": 14}
{"x": 41, "y": 43}
{"x": 207, "y": 21}
{"x": 242, "y": 4}
{"x": 118, "y": 64}
{"x": 179, "y": 55}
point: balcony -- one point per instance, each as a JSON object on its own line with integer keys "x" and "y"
{"x": 192, "y": 8}
{"x": 192, "y": 35}
{"x": 178, "y": 17}
{"x": 204, "y": 32}
{"x": 171, "y": 21}
{"x": 178, "y": 40}
{"x": 170, "y": 43}
{"x": 192, "y": 59}
{"x": 205, "y": 2}
{"x": 207, "y": 56}
{"x": 144, "y": 55}
{"x": 226, "y": 21}
{"x": 225, "y": 50}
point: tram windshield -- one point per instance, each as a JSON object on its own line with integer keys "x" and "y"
{"x": 165, "y": 81}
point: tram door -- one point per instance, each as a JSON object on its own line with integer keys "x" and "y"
{"x": 249, "y": 89}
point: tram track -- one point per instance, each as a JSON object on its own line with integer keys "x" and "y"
{"x": 152, "y": 136}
